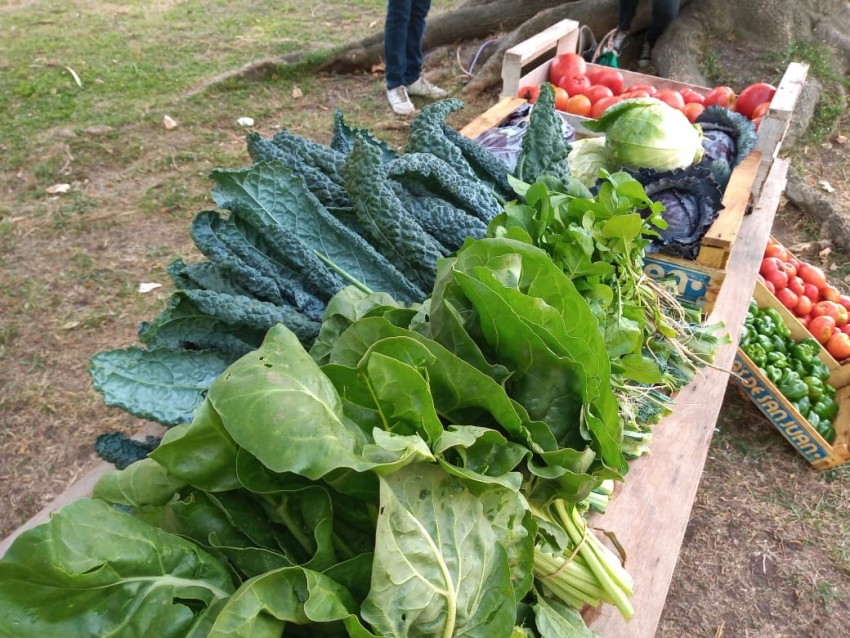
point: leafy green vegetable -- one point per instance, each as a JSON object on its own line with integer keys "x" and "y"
{"x": 544, "y": 151}
{"x": 647, "y": 133}
{"x": 96, "y": 571}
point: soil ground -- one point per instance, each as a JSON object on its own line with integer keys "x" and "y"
{"x": 767, "y": 553}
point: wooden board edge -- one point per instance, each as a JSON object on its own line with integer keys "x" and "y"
{"x": 736, "y": 200}
{"x": 492, "y": 117}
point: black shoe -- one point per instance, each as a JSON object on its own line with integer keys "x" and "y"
{"x": 618, "y": 42}
{"x": 645, "y": 58}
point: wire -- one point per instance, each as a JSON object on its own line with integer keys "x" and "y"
{"x": 474, "y": 59}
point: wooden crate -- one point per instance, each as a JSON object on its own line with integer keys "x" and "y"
{"x": 528, "y": 64}
{"x": 790, "y": 423}
{"x": 765, "y": 299}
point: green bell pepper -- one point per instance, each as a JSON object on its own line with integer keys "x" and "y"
{"x": 818, "y": 369}
{"x": 746, "y": 336}
{"x": 829, "y": 390}
{"x": 803, "y": 406}
{"x": 779, "y": 344}
{"x": 826, "y": 409}
{"x": 814, "y": 420}
{"x": 815, "y": 387}
{"x": 756, "y": 353}
{"x": 827, "y": 432}
{"x": 799, "y": 367}
{"x": 764, "y": 325}
{"x": 773, "y": 373}
{"x": 777, "y": 359}
{"x": 792, "y": 386}
{"x": 779, "y": 325}
{"x": 764, "y": 341}
{"x": 754, "y": 308}
{"x": 804, "y": 352}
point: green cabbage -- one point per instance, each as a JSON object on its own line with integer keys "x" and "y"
{"x": 585, "y": 159}
{"x": 647, "y": 133}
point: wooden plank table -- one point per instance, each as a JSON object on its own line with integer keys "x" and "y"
{"x": 649, "y": 512}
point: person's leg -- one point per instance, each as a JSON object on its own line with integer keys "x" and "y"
{"x": 627, "y": 12}
{"x": 415, "y": 33}
{"x": 663, "y": 13}
{"x": 396, "y": 29}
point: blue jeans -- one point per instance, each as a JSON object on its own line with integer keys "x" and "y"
{"x": 403, "y": 32}
{"x": 663, "y": 13}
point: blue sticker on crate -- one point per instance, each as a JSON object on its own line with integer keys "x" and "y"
{"x": 774, "y": 406}
{"x": 693, "y": 284}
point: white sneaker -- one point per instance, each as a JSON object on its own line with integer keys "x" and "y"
{"x": 399, "y": 101}
{"x": 423, "y": 88}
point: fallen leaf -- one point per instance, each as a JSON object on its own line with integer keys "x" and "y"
{"x": 825, "y": 185}
{"x": 58, "y": 189}
{"x": 297, "y": 92}
{"x": 168, "y": 122}
{"x": 70, "y": 325}
{"x": 841, "y": 139}
{"x": 825, "y": 252}
{"x": 245, "y": 121}
{"x": 148, "y": 286}
{"x": 75, "y": 76}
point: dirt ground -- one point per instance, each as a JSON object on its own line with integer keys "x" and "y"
{"x": 767, "y": 553}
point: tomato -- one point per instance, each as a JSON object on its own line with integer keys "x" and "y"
{"x": 770, "y": 287}
{"x": 796, "y": 285}
{"x": 821, "y": 327}
{"x": 779, "y": 280}
{"x": 578, "y": 105}
{"x": 787, "y": 298}
{"x": 844, "y": 300}
{"x": 812, "y": 275}
{"x": 606, "y": 76}
{"x": 760, "y": 111}
{"x": 600, "y": 106}
{"x": 561, "y": 98}
{"x": 770, "y": 265}
{"x": 830, "y": 293}
{"x": 650, "y": 90}
{"x": 846, "y": 328}
{"x": 721, "y": 95}
{"x": 812, "y": 292}
{"x": 777, "y": 250}
{"x": 530, "y": 93}
{"x": 789, "y": 269}
{"x": 795, "y": 262}
{"x": 574, "y": 84}
{"x": 692, "y": 97}
{"x": 752, "y": 96}
{"x": 831, "y": 309}
{"x": 671, "y": 97}
{"x": 838, "y": 346}
{"x": 566, "y": 65}
{"x": 804, "y": 306}
{"x": 597, "y": 92}
{"x": 632, "y": 94}
{"x": 805, "y": 319}
{"x": 693, "y": 110}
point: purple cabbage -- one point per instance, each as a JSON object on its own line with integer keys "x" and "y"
{"x": 692, "y": 201}
{"x": 727, "y": 139}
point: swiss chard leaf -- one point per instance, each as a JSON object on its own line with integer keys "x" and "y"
{"x": 439, "y": 569}
{"x": 94, "y": 571}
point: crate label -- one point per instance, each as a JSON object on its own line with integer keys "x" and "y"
{"x": 693, "y": 284}
{"x": 775, "y": 407}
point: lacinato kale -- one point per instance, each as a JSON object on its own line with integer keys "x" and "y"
{"x": 120, "y": 450}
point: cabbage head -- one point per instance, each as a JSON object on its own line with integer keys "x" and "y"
{"x": 647, "y": 133}
{"x": 585, "y": 159}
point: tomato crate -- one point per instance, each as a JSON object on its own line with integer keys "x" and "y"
{"x": 528, "y": 63}
{"x": 766, "y": 299}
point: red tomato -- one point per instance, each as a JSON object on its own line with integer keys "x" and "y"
{"x": 770, "y": 287}
{"x": 789, "y": 269}
{"x": 812, "y": 275}
{"x": 578, "y": 105}
{"x": 830, "y": 293}
{"x": 797, "y": 286}
{"x": 529, "y": 93}
{"x": 632, "y": 94}
{"x": 760, "y": 111}
{"x": 671, "y": 97}
{"x": 721, "y": 95}
{"x": 795, "y": 262}
{"x": 692, "y": 97}
{"x": 838, "y": 346}
{"x": 606, "y": 76}
{"x": 599, "y": 108}
{"x": 777, "y": 250}
{"x": 804, "y": 306}
{"x": 812, "y": 292}
{"x": 561, "y": 98}
{"x": 650, "y": 90}
{"x": 779, "y": 279}
{"x": 844, "y": 300}
{"x": 597, "y": 91}
{"x": 752, "y": 96}
{"x": 692, "y": 111}
{"x": 846, "y": 328}
{"x": 805, "y": 319}
{"x": 574, "y": 84}
{"x": 770, "y": 265}
{"x": 787, "y": 298}
{"x": 566, "y": 65}
{"x": 831, "y": 309}
{"x": 821, "y": 327}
